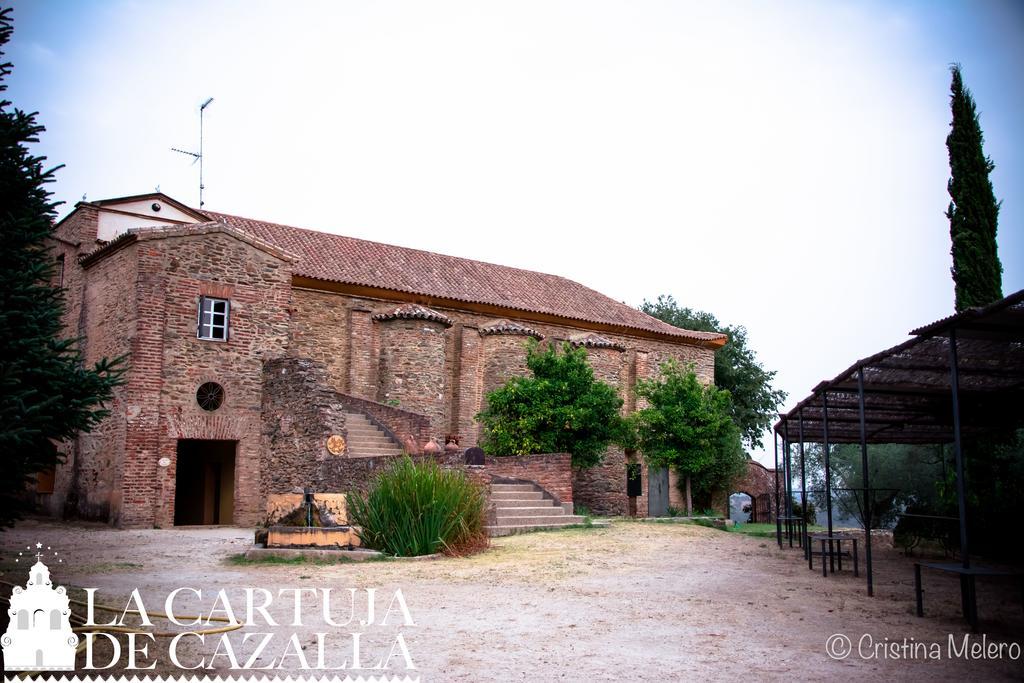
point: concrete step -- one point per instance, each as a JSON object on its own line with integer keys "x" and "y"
{"x": 549, "y": 510}
{"x": 356, "y": 434}
{"x": 511, "y": 529}
{"x": 362, "y": 428}
{"x": 534, "y": 520}
{"x": 523, "y": 503}
{"x": 366, "y": 439}
{"x": 505, "y": 488}
{"x": 374, "y": 452}
{"x": 516, "y": 495}
{"x": 383, "y": 443}
{"x": 367, "y": 433}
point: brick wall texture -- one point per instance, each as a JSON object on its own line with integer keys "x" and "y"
{"x": 296, "y": 360}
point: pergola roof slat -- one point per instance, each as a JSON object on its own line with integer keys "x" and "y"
{"x": 907, "y": 395}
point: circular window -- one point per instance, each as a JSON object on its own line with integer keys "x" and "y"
{"x": 210, "y": 395}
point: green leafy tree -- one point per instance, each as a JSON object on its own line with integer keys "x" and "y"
{"x": 561, "y": 408}
{"x": 994, "y": 474}
{"x": 688, "y": 426}
{"x": 46, "y": 395}
{"x": 754, "y": 402}
{"x": 973, "y": 212}
{"x": 903, "y": 477}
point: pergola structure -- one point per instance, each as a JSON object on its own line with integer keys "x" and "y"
{"x": 956, "y": 378}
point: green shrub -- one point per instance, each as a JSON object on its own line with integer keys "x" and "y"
{"x": 561, "y": 408}
{"x": 417, "y": 508}
{"x": 687, "y": 425}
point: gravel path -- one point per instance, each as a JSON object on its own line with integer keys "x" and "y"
{"x": 636, "y": 601}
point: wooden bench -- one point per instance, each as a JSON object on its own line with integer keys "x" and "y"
{"x": 968, "y": 591}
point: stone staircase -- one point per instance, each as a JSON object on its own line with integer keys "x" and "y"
{"x": 524, "y": 507}
{"x": 366, "y": 439}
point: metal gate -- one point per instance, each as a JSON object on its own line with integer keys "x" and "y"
{"x": 657, "y": 492}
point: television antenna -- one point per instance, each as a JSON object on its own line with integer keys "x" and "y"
{"x": 198, "y": 156}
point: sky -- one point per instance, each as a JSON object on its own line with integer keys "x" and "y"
{"x": 781, "y": 165}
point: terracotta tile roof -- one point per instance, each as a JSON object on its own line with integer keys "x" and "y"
{"x": 594, "y": 341}
{"x": 414, "y": 312}
{"x": 508, "y": 327}
{"x": 347, "y": 260}
{"x": 179, "y": 230}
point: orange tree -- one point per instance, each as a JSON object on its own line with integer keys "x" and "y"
{"x": 688, "y": 426}
{"x": 560, "y": 408}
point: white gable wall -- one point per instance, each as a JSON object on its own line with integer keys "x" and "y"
{"x": 114, "y": 223}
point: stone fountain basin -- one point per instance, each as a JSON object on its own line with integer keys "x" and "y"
{"x": 312, "y": 537}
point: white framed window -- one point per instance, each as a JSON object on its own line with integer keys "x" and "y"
{"x": 213, "y": 319}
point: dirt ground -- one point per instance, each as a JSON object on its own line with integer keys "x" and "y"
{"x": 636, "y": 601}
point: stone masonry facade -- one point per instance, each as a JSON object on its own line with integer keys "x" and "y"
{"x": 301, "y": 352}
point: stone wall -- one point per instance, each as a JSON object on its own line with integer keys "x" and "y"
{"x": 90, "y": 480}
{"x": 756, "y": 482}
{"x": 364, "y": 353}
{"x": 456, "y": 366}
{"x": 174, "y": 273}
{"x": 341, "y": 475}
{"x": 504, "y": 357}
{"x": 318, "y": 331}
{"x": 602, "y": 488}
{"x": 466, "y": 363}
{"x": 551, "y": 471}
{"x": 300, "y": 412}
{"x": 141, "y": 300}
{"x": 413, "y": 369}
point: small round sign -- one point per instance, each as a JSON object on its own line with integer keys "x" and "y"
{"x": 164, "y": 462}
{"x": 336, "y": 444}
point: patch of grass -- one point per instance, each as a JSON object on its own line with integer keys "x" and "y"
{"x": 588, "y": 523}
{"x": 765, "y": 530}
{"x": 651, "y": 520}
{"x": 242, "y": 560}
{"x": 704, "y": 522}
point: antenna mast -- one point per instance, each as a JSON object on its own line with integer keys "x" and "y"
{"x": 198, "y": 156}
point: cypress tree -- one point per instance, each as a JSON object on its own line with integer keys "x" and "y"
{"x": 46, "y": 394}
{"x": 974, "y": 211}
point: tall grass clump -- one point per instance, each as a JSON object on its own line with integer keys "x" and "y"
{"x": 418, "y": 508}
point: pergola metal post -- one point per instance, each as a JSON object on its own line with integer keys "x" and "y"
{"x": 789, "y": 483}
{"x": 803, "y": 481}
{"x": 828, "y": 479}
{"x": 867, "y": 483}
{"x": 828, "y": 460}
{"x": 778, "y": 522}
{"x": 961, "y": 499}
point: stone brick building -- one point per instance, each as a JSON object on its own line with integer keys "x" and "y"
{"x": 251, "y": 343}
